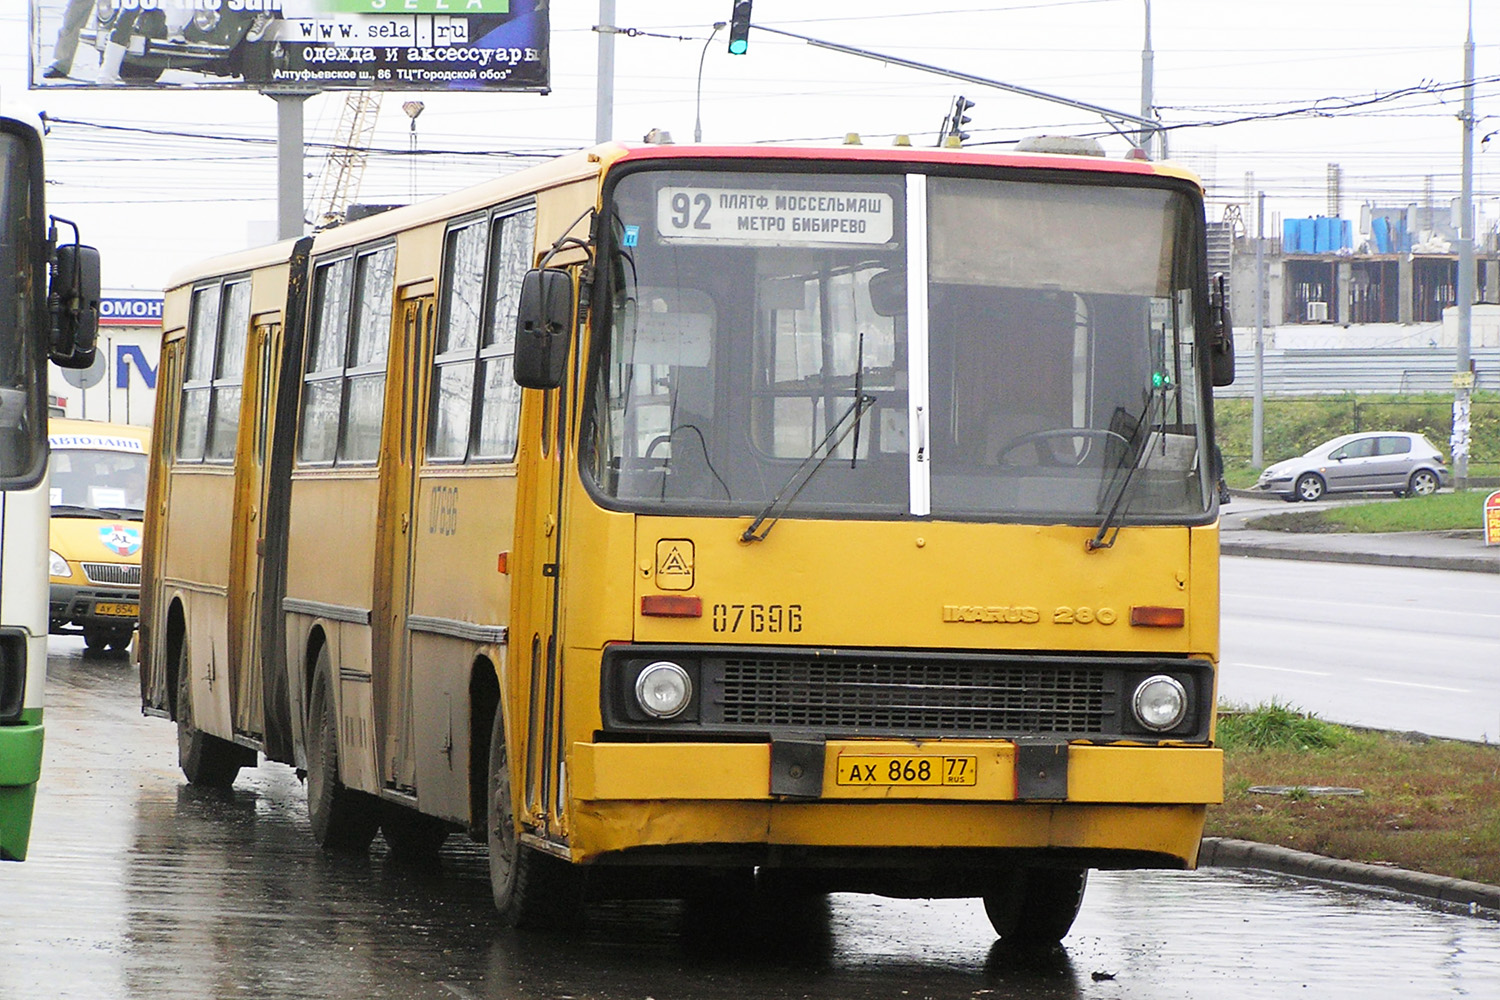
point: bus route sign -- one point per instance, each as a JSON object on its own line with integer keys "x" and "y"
{"x": 782, "y": 218}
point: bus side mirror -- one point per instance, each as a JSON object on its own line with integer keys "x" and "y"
{"x": 544, "y": 321}
{"x": 73, "y": 301}
{"x": 1221, "y": 354}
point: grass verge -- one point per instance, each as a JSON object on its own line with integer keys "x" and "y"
{"x": 1439, "y": 512}
{"x": 1427, "y": 805}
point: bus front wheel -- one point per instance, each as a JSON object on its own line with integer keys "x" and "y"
{"x": 342, "y": 819}
{"x": 205, "y": 760}
{"x": 531, "y": 889}
{"x": 1036, "y": 906}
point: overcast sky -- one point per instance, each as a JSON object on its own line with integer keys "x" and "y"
{"x": 158, "y": 180}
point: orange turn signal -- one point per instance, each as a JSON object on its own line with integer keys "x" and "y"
{"x": 672, "y": 606}
{"x": 1152, "y": 616}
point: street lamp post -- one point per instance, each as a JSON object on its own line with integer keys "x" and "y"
{"x": 698, "y": 105}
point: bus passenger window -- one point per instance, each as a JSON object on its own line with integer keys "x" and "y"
{"x": 321, "y": 394}
{"x": 217, "y": 333}
{"x": 234, "y": 330}
{"x": 476, "y": 403}
{"x": 500, "y": 396}
{"x": 203, "y": 328}
{"x": 374, "y": 285}
{"x": 458, "y": 337}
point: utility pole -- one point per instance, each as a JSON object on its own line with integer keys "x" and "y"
{"x": 698, "y": 101}
{"x": 1258, "y": 415}
{"x": 604, "y": 99}
{"x": 1463, "y": 378}
{"x": 1148, "y": 99}
{"x": 289, "y": 167}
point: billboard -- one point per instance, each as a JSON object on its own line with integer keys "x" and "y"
{"x": 291, "y": 45}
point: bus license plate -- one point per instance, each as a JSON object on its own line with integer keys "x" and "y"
{"x": 872, "y": 771}
{"x": 117, "y": 610}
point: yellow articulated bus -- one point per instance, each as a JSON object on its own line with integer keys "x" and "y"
{"x": 98, "y": 496}
{"x": 665, "y": 514}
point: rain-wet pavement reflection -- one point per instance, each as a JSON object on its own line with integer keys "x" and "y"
{"x": 141, "y": 887}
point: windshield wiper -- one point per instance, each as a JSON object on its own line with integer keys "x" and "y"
{"x": 74, "y": 510}
{"x": 1132, "y": 457}
{"x": 125, "y": 512}
{"x": 857, "y": 408}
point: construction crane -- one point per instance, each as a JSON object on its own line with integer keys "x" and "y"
{"x": 338, "y": 184}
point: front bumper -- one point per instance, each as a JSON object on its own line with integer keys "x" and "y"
{"x": 20, "y": 767}
{"x": 1119, "y": 802}
{"x": 80, "y": 607}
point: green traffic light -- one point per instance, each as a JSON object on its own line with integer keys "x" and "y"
{"x": 738, "y": 46}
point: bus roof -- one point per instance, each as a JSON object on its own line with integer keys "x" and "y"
{"x": 584, "y": 163}
{"x": 911, "y": 154}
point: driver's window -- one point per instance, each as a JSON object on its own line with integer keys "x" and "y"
{"x": 818, "y": 333}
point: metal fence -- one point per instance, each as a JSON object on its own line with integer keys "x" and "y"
{"x": 1359, "y": 370}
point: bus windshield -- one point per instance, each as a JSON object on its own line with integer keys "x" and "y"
{"x": 87, "y": 480}
{"x": 887, "y": 345}
{"x": 22, "y": 424}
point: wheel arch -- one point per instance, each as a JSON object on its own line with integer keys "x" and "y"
{"x": 317, "y": 638}
{"x": 484, "y": 705}
{"x": 175, "y": 637}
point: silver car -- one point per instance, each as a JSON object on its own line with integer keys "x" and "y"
{"x": 1395, "y": 461}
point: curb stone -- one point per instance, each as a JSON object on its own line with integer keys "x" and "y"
{"x": 1223, "y": 852}
{"x": 1477, "y": 564}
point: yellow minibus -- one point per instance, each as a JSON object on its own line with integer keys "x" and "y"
{"x": 97, "y": 489}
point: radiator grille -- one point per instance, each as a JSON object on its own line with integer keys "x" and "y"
{"x": 934, "y": 697}
{"x": 120, "y": 574}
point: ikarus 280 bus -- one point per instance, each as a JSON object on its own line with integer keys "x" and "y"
{"x": 841, "y": 518}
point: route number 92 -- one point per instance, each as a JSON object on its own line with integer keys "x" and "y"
{"x": 691, "y": 210}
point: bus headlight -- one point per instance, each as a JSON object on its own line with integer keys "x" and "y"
{"x": 57, "y": 565}
{"x": 1159, "y": 703}
{"x": 663, "y": 690}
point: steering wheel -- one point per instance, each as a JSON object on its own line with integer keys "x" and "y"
{"x": 1040, "y": 441}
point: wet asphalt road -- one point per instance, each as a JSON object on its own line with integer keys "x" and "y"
{"x": 139, "y": 887}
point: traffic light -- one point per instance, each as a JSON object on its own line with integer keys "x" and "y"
{"x": 739, "y": 28}
{"x": 957, "y": 119}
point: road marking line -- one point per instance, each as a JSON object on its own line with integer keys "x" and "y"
{"x": 1409, "y": 684}
{"x": 1281, "y": 670}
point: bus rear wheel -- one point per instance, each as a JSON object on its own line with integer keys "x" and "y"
{"x": 341, "y": 819}
{"x": 1036, "y": 906}
{"x": 205, "y": 760}
{"x": 531, "y": 889}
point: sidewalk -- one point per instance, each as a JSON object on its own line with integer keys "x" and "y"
{"x": 1452, "y": 550}
{"x": 1456, "y": 550}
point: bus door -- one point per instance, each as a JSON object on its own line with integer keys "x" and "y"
{"x": 395, "y": 727}
{"x": 537, "y": 650}
{"x": 252, "y": 495}
{"x": 155, "y": 689}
